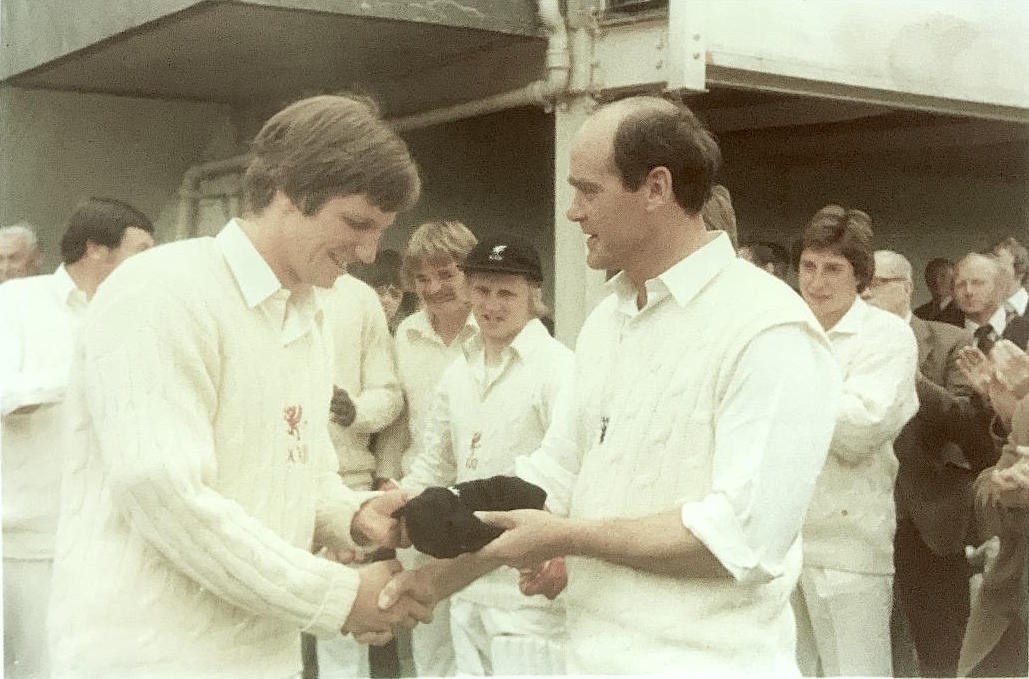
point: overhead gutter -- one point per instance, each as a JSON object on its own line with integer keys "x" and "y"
{"x": 568, "y": 72}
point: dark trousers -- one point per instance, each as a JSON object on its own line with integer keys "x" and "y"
{"x": 932, "y": 592}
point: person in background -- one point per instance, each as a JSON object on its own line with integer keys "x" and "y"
{"x": 845, "y": 596}
{"x": 19, "y": 252}
{"x": 1014, "y": 259}
{"x": 493, "y": 404}
{"x": 980, "y": 291}
{"x": 39, "y": 319}
{"x": 426, "y": 343}
{"x": 201, "y": 474}
{"x": 934, "y": 482}
{"x": 939, "y": 278}
{"x": 719, "y": 215}
{"x": 366, "y": 399}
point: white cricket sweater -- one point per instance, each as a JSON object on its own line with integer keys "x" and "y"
{"x": 362, "y": 354}
{"x": 648, "y": 395}
{"x": 852, "y": 519}
{"x": 201, "y": 473}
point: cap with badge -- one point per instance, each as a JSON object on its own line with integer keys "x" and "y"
{"x": 504, "y": 254}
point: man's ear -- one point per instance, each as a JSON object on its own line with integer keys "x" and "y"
{"x": 658, "y": 187}
{"x": 95, "y": 250}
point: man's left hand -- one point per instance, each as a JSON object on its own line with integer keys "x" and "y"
{"x": 374, "y": 522}
{"x": 530, "y": 537}
{"x": 342, "y": 409}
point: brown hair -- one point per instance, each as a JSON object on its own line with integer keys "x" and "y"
{"x": 847, "y": 233}
{"x": 719, "y": 214}
{"x": 1019, "y": 256}
{"x": 434, "y": 242}
{"x": 661, "y": 133}
{"x": 327, "y": 146}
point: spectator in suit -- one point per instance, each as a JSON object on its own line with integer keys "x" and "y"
{"x": 1014, "y": 259}
{"x": 933, "y": 490}
{"x": 979, "y": 292}
{"x": 995, "y": 638}
{"x": 939, "y": 278}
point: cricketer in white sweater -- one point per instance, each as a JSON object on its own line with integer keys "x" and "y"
{"x": 200, "y": 474}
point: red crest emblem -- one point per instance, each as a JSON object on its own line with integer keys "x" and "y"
{"x": 292, "y": 415}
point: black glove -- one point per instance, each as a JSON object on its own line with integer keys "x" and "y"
{"x": 341, "y": 408}
{"x": 440, "y": 521}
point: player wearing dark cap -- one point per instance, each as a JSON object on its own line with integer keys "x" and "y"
{"x": 493, "y": 405}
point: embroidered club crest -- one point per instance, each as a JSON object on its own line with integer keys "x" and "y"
{"x": 497, "y": 255}
{"x": 292, "y": 415}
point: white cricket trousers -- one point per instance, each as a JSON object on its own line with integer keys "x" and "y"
{"x": 843, "y": 622}
{"x": 493, "y": 641}
{"x": 26, "y": 598}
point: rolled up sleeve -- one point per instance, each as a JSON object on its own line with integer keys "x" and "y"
{"x": 773, "y": 432}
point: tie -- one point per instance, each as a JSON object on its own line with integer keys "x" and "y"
{"x": 983, "y": 338}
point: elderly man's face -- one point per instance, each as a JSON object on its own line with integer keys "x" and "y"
{"x": 975, "y": 288}
{"x": 17, "y": 260}
{"x": 889, "y": 290}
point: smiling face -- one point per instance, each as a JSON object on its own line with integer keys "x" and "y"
{"x": 318, "y": 247}
{"x": 827, "y": 284}
{"x": 442, "y": 287}
{"x": 501, "y": 304}
{"x": 607, "y": 212}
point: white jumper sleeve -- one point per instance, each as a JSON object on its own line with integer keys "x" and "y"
{"x": 878, "y": 394}
{"x": 149, "y": 365}
{"x": 773, "y": 431}
{"x": 381, "y": 398}
{"x": 555, "y": 465}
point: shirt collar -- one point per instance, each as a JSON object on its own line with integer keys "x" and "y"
{"x": 295, "y": 311}
{"x": 1018, "y": 301}
{"x": 684, "y": 279}
{"x": 530, "y": 338}
{"x": 66, "y": 288}
{"x": 255, "y": 278}
{"x": 850, "y": 323}
{"x": 419, "y": 325}
{"x": 998, "y": 321}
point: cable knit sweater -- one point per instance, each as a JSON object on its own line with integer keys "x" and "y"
{"x": 640, "y": 436}
{"x": 852, "y": 519}
{"x": 201, "y": 472}
{"x": 362, "y": 353}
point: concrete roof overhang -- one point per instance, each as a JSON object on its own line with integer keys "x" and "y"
{"x": 409, "y": 55}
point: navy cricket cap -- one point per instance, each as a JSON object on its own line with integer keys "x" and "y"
{"x": 505, "y": 254}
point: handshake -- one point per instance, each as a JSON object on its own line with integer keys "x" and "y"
{"x": 440, "y": 522}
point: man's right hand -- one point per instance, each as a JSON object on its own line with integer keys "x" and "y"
{"x": 549, "y": 578}
{"x": 372, "y": 625}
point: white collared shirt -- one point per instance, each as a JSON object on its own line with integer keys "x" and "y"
{"x": 776, "y": 417}
{"x": 482, "y": 419}
{"x": 39, "y": 319}
{"x": 293, "y": 312}
{"x": 1018, "y": 301}
{"x": 422, "y": 356}
{"x": 998, "y": 321}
